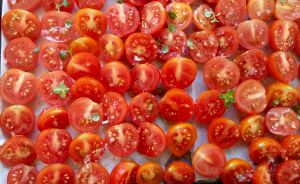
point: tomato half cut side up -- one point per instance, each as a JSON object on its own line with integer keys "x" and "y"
{"x": 84, "y": 44}
{"x": 253, "y": 127}
{"x": 28, "y": 5}
{"x": 23, "y": 174}
{"x": 111, "y": 47}
{"x": 61, "y": 5}
{"x": 261, "y": 9}
{"x": 291, "y": 146}
{"x": 95, "y": 4}
{"x": 124, "y": 171}
{"x": 56, "y": 173}
{"x": 262, "y": 174}
{"x": 288, "y": 172}
{"x": 183, "y": 12}
{"x": 287, "y": 10}
{"x": 92, "y": 170}
{"x": 204, "y": 18}
{"x": 179, "y": 172}
{"x": 150, "y": 172}
{"x": 228, "y": 39}
{"x": 237, "y": 171}
{"x": 53, "y": 117}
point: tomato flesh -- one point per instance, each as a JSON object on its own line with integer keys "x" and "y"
{"x": 179, "y": 172}
{"x": 124, "y": 171}
{"x": 22, "y": 173}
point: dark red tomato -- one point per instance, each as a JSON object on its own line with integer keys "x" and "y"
{"x": 203, "y": 46}
{"x": 181, "y": 138}
{"x": 20, "y": 23}
{"x": 53, "y": 145}
{"x": 17, "y": 120}
{"x": 261, "y": 9}
{"x": 252, "y": 127}
{"x": 84, "y": 44}
{"x": 85, "y": 115}
{"x": 124, "y": 172}
{"x": 115, "y": 76}
{"x": 95, "y": 4}
{"x": 291, "y": 146}
{"x": 86, "y": 148}
{"x": 122, "y": 139}
{"x": 20, "y": 54}
{"x": 212, "y": 1}
{"x": 17, "y": 150}
{"x": 283, "y": 34}
{"x": 61, "y": 5}
{"x": 138, "y": 3}
{"x": 88, "y": 87}
{"x": 288, "y": 172}
{"x": 282, "y": 121}
{"x": 297, "y": 46}
{"x": 183, "y": 15}
{"x": 262, "y": 174}
{"x": 56, "y": 173}
{"x": 140, "y": 48}
{"x": 152, "y": 140}
{"x": 54, "y": 88}
{"x": 111, "y": 47}
{"x": 228, "y": 39}
{"x": 54, "y": 56}
{"x": 184, "y": 1}
{"x": 179, "y": 172}
{"x": 252, "y": 64}
{"x": 281, "y": 94}
{"x": 143, "y": 108}
{"x": 18, "y": 87}
{"x": 237, "y": 171}
{"x": 28, "y": 5}
{"x": 144, "y": 78}
{"x": 204, "y": 18}
{"x": 223, "y": 132}
{"x": 114, "y": 108}
{"x": 53, "y": 117}
{"x": 221, "y": 74}
{"x": 84, "y": 64}
{"x": 209, "y": 160}
{"x": 178, "y": 72}
{"x": 22, "y": 174}
{"x": 58, "y": 26}
{"x": 92, "y": 172}
{"x": 287, "y": 10}
{"x": 176, "y": 106}
{"x": 150, "y": 173}
{"x": 282, "y": 66}
{"x": 208, "y": 106}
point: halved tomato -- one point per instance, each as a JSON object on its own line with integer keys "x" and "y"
{"x": 237, "y": 171}
{"x": 179, "y": 172}
{"x": 228, "y": 39}
{"x": 28, "y": 5}
{"x": 138, "y": 3}
{"x": 149, "y": 173}
{"x": 184, "y": 1}
{"x": 111, "y": 47}
{"x": 288, "y": 172}
{"x": 95, "y": 4}
{"x": 84, "y": 44}
{"x": 252, "y": 127}
{"x": 297, "y": 47}
{"x": 53, "y": 117}
{"x": 23, "y": 174}
{"x": 204, "y": 18}
{"x": 287, "y": 10}
{"x": 56, "y": 173}
{"x": 261, "y": 9}
{"x": 281, "y": 94}
{"x": 179, "y": 14}
{"x": 92, "y": 172}
{"x": 291, "y": 146}
{"x": 262, "y": 174}
{"x": 124, "y": 172}
{"x": 60, "y": 5}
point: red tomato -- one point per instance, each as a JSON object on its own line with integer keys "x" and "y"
{"x": 287, "y": 10}
{"x": 183, "y": 15}
{"x": 58, "y": 26}
{"x": 204, "y": 18}
{"x": 144, "y": 78}
{"x": 136, "y": 2}
{"x": 297, "y": 46}
{"x": 223, "y": 132}
{"x": 208, "y": 106}
{"x": 291, "y": 146}
{"x": 114, "y": 108}
{"x": 20, "y": 23}
{"x": 221, "y": 74}
{"x": 252, "y": 127}
{"x": 237, "y": 171}
{"x": 84, "y": 64}
{"x": 17, "y": 150}
{"x": 17, "y": 120}
{"x": 123, "y": 19}
{"x": 85, "y": 115}
{"x": 86, "y": 148}
{"x": 92, "y": 172}
{"x": 283, "y": 34}
{"x": 184, "y": 1}
{"x": 28, "y": 5}
{"x": 262, "y": 175}
{"x": 53, "y": 117}
{"x": 61, "y": 5}
{"x": 149, "y": 173}
{"x": 56, "y": 173}
{"x": 152, "y": 140}
{"x": 176, "y": 106}
{"x": 17, "y": 87}
{"x": 281, "y": 94}
{"x": 20, "y": 54}
{"x": 84, "y": 44}
{"x": 178, "y": 72}
{"x": 282, "y": 121}
{"x": 288, "y": 172}
{"x": 203, "y": 46}
{"x": 95, "y": 4}
{"x": 228, "y": 39}
{"x": 115, "y": 76}
{"x": 179, "y": 172}
{"x": 181, "y": 138}
{"x": 111, "y": 47}
{"x": 54, "y": 88}
{"x": 22, "y": 174}
{"x": 209, "y": 160}
{"x": 261, "y": 9}
{"x": 124, "y": 172}
{"x": 140, "y": 48}
{"x": 143, "y": 108}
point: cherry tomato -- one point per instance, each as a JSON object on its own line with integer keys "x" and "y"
{"x": 287, "y": 10}
{"x": 184, "y": 1}
{"x": 124, "y": 172}
{"x": 95, "y": 4}
{"x": 136, "y": 2}
{"x": 179, "y": 172}
{"x": 111, "y": 47}
{"x": 183, "y": 15}
{"x": 56, "y": 173}
{"x": 281, "y": 94}
{"x": 84, "y": 44}
{"x": 228, "y": 39}
{"x": 22, "y": 174}
{"x": 61, "y": 5}
{"x": 92, "y": 172}
{"x": 149, "y": 173}
{"x": 262, "y": 174}
{"x": 212, "y": 1}
{"x": 53, "y": 117}
{"x": 204, "y": 18}
{"x": 28, "y": 5}
{"x": 291, "y": 146}
{"x": 288, "y": 172}
{"x": 297, "y": 46}
{"x": 237, "y": 171}
{"x": 252, "y": 127}
{"x": 261, "y": 9}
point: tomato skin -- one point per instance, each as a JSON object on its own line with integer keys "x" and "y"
{"x": 261, "y": 9}
{"x": 262, "y": 174}
{"x": 202, "y": 22}
{"x": 63, "y": 173}
{"x": 28, "y": 5}
{"x": 149, "y": 173}
{"x": 22, "y": 173}
{"x": 291, "y": 146}
{"x": 252, "y": 127}
{"x": 288, "y": 172}
{"x": 96, "y": 4}
{"x": 285, "y": 94}
{"x": 51, "y": 5}
{"x": 179, "y": 172}
{"x": 92, "y": 170}
{"x": 184, "y": 15}
{"x": 184, "y": 1}
{"x": 124, "y": 172}
{"x": 53, "y": 117}
{"x": 111, "y": 47}
{"x": 136, "y": 2}
{"x": 287, "y": 10}
{"x": 84, "y": 44}
{"x": 228, "y": 39}
{"x": 297, "y": 46}
{"x": 237, "y": 171}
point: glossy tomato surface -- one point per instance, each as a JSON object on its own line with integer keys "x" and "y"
{"x": 203, "y": 21}
{"x": 28, "y": 5}
{"x": 281, "y": 94}
{"x": 95, "y": 4}
{"x": 179, "y": 172}
{"x": 84, "y": 44}
{"x": 111, "y": 47}
{"x": 125, "y": 172}
{"x": 58, "y": 5}
{"x": 22, "y": 173}
{"x": 150, "y": 173}
{"x": 237, "y": 171}
{"x": 252, "y": 127}
{"x": 288, "y": 172}
{"x": 228, "y": 39}
{"x": 56, "y": 173}
{"x": 291, "y": 146}
{"x": 183, "y": 12}
{"x": 261, "y": 9}
{"x": 97, "y": 172}
{"x": 53, "y": 117}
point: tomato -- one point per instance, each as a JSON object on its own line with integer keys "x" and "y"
{"x": 140, "y": 48}
{"x": 179, "y": 172}
{"x": 92, "y": 172}
{"x": 90, "y": 22}
{"x": 221, "y": 74}
{"x": 56, "y": 173}
{"x": 184, "y": 1}
{"x": 297, "y": 46}
{"x": 252, "y": 64}
{"x": 176, "y": 106}
{"x": 22, "y": 174}
{"x": 204, "y": 18}
{"x": 288, "y": 172}
{"x": 54, "y": 88}
{"x": 20, "y": 54}
{"x": 143, "y": 108}
{"x": 95, "y": 4}
{"x": 17, "y": 150}
{"x": 181, "y": 138}
{"x": 282, "y": 66}
{"x": 178, "y": 72}
{"x": 144, "y": 78}
{"x": 281, "y": 94}
{"x": 28, "y": 5}
{"x": 262, "y": 174}
{"x": 261, "y": 9}
{"x": 111, "y": 47}
{"x": 122, "y": 19}
{"x": 237, "y": 171}
{"x": 136, "y": 2}
{"x": 282, "y": 121}
{"x": 84, "y": 64}
{"x": 291, "y": 146}
{"x": 252, "y": 127}
{"x": 61, "y": 5}
{"x": 17, "y": 87}
{"x": 283, "y": 34}
{"x": 228, "y": 39}
{"x": 149, "y": 173}
{"x": 203, "y": 46}
{"x": 17, "y": 120}
{"x": 84, "y": 44}
{"x": 287, "y": 10}
{"x": 58, "y": 26}
{"x": 88, "y": 87}
{"x": 183, "y": 15}
{"x": 152, "y": 140}
{"x": 20, "y": 23}
{"x": 53, "y": 117}
{"x": 85, "y": 115}
{"x": 124, "y": 172}
{"x": 86, "y": 148}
